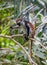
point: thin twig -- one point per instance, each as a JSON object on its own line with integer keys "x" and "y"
{"x": 17, "y": 35}
{"x": 11, "y": 35}
{"x": 7, "y": 7}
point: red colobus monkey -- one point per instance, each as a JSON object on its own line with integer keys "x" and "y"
{"x": 28, "y": 25}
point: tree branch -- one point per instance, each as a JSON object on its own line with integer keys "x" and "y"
{"x": 9, "y": 37}
{"x": 39, "y": 43}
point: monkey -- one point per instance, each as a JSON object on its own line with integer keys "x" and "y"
{"x": 31, "y": 25}
{"x": 28, "y": 26}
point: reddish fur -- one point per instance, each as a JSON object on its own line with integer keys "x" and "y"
{"x": 30, "y": 24}
{"x": 19, "y": 19}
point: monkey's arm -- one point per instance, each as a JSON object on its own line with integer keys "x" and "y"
{"x": 31, "y": 26}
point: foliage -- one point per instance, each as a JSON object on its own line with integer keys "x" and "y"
{"x": 13, "y": 54}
